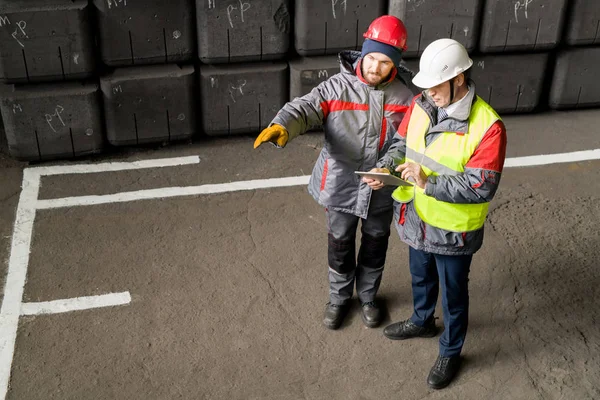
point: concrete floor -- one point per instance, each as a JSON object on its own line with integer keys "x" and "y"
{"x": 228, "y": 289}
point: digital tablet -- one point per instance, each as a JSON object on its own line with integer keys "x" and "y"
{"x": 387, "y": 179}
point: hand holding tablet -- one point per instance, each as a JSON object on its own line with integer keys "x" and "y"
{"x": 385, "y": 178}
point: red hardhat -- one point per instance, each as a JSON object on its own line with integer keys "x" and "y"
{"x": 389, "y": 30}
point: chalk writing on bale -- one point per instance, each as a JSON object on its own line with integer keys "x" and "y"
{"x": 522, "y": 5}
{"x": 242, "y": 8}
{"x": 342, "y": 3}
{"x": 116, "y": 3}
{"x": 20, "y": 31}
{"x": 237, "y": 89}
{"x": 57, "y": 113}
{"x": 4, "y": 21}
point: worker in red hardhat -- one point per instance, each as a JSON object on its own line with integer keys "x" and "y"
{"x": 452, "y": 145}
{"x": 360, "y": 110}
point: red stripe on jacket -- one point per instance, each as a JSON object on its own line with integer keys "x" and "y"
{"x": 383, "y": 134}
{"x": 395, "y": 108}
{"x": 324, "y": 176}
{"x": 340, "y": 105}
{"x": 402, "y": 218}
{"x": 479, "y": 184}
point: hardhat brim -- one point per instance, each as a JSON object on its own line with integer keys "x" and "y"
{"x": 425, "y": 82}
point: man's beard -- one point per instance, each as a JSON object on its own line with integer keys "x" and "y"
{"x": 374, "y": 79}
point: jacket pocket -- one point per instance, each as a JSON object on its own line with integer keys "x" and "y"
{"x": 441, "y": 238}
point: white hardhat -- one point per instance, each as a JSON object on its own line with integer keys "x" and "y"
{"x": 441, "y": 61}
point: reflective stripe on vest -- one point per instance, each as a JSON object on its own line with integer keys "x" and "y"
{"x": 446, "y": 155}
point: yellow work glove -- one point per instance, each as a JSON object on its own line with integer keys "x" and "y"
{"x": 275, "y": 134}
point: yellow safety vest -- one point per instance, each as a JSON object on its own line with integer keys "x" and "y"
{"x": 446, "y": 155}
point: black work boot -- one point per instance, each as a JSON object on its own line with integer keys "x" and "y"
{"x": 334, "y": 315}
{"x": 443, "y": 371}
{"x": 407, "y": 329}
{"x": 371, "y": 314}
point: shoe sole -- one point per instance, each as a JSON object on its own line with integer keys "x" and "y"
{"x": 333, "y": 327}
{"x": 443, "y": 385}
{"x": 438, "y": 387}
{"x": 428, "y": 335}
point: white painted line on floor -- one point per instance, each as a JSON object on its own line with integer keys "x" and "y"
{"x": 172, "y": 192}
{"x": 150, "y": 194}
{"x": 76, "y": 304}
{"x": 547, "y": 159}
{"x": 115, "y": 166}
{"x": 17, "y": 272}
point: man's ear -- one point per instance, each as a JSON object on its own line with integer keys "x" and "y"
{"x": 460, "y": 80}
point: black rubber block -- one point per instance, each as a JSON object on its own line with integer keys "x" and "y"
{"x": 327, "y": 27}
{"x": 522, "y": 25}
{"x": 52, "y": 121}
{"x": 242, "y": 30}
{"x": 575, "y": 82}
{"x": 242, "y": 98}
{"x": 510, "y": 83}
{"x": 146, "y": 32}
{"x": 307, "y": 72}
{"x": 583, "y": 23}
{"x": 45, "y": 41}
{"x": 429, "y": 20}
{"x": 149, "y": 104}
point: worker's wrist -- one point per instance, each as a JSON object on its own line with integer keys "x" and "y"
{"x": 430, "y": 185}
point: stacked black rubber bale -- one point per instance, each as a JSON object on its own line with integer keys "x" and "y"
{"x": 148, "y": 82}
{"x": 157, "y": 71}
{"x": 575, "y": 82}
{"x": 518, "y": 39}
{"x": 49, "y": 107}
{"x": 150, "y": 104}
{"x": 243, "y": 46}
{"x": 429, "y": 20}
{"x": 493, "y": 32}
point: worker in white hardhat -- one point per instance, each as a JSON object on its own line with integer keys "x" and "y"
{"x": 451, "y": 145}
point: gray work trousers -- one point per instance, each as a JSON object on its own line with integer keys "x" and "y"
{"x": 344, "y": 267}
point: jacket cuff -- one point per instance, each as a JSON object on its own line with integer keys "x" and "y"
{"x": 382, "y": 164}
{"x": 290, "y": 126}
{"x": 430, "y": 186}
